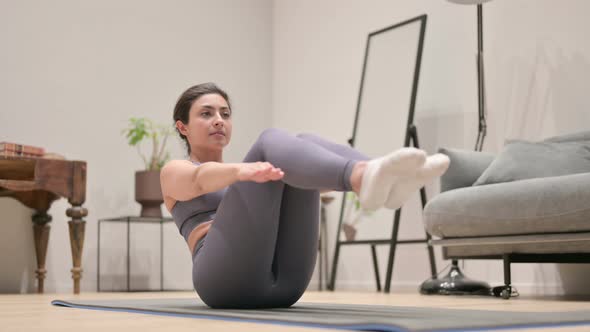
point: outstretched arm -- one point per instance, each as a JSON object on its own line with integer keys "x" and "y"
{"x": 181, "y": 180}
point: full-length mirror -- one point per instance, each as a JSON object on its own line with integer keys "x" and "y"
{"x": 383, "y": 123}
{"x": 387, "y": 92}
{"x": 385, "y": 107}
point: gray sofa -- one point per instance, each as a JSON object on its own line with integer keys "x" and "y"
{"x": 530, "y": 220}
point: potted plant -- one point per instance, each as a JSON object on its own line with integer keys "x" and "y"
{"x": 148, "y": 192}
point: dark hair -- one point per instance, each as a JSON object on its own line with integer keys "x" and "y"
{"x": 186, "y": 100}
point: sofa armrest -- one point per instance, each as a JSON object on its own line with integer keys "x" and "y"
{"x": 465, "y": 168}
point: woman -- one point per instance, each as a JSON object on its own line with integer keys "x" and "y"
{"x": 252, "y": 227}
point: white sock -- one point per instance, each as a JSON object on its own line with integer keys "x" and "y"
{"x": 382, "y": 173}
{"x": 435, "y": 166}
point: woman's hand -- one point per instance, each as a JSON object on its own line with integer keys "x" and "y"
{"x": 259, "y": 172}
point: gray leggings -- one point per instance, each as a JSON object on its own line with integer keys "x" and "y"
{"x": 260, "y": 251}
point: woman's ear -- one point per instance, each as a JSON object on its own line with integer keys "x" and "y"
{"x": 181, "y": 127}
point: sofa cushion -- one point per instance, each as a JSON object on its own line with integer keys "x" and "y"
{"x": 465, "y": 168}
{"x": 532, "y": 206}
{"x": 520, "y": 160}
{"x": 579, "y": 136}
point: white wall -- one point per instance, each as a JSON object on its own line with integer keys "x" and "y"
{"x": 537, "y": 64}
{"x": 73, "y": 72}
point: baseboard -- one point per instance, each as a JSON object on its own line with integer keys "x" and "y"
{"x": 365, "y": 285}
{"x": 412, "y": 286}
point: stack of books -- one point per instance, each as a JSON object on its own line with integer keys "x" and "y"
{"x": 20, "y": 150}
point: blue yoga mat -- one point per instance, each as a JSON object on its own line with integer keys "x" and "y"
{"x": 346, "y": 316}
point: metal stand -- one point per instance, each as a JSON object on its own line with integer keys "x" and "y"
{"x": 128, "y": 220}
{"x": 411, "y": 138}
{"x": 481, "y": 91}
{"x": 323, "y": 242}
{"x": 455, "y": 282}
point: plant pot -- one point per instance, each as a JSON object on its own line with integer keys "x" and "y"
{"x": 148, "y": 193}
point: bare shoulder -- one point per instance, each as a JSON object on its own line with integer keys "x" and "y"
{"x": 176, "y": 164}
{"x": 169, "y": 176}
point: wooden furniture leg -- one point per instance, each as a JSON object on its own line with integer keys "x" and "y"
{"x": 41, "y": 232}
{"x": 77, "y": 226}
{"x": 37, "y": 182}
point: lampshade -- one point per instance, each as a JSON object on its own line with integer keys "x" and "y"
{"x": 468, "y": 2}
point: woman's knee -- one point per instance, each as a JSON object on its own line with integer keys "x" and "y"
{"x": 306, "y": 136}
{"x": 270, "y": 133}
{"x": 266, "y": 140}
{"x": 310, "y": 137}
{"x": 257, "y": 150}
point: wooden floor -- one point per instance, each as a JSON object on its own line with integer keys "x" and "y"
{"x": 32, "y": 312}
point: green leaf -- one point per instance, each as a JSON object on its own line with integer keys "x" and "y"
{"x": 142, "y": 129}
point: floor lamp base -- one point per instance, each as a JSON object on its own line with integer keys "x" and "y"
{"x": 454, "y": 283}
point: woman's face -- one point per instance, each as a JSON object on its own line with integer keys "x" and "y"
{"x": 209, "y": 123}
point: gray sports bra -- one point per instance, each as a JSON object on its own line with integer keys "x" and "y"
{"x": 188, "y": 214}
